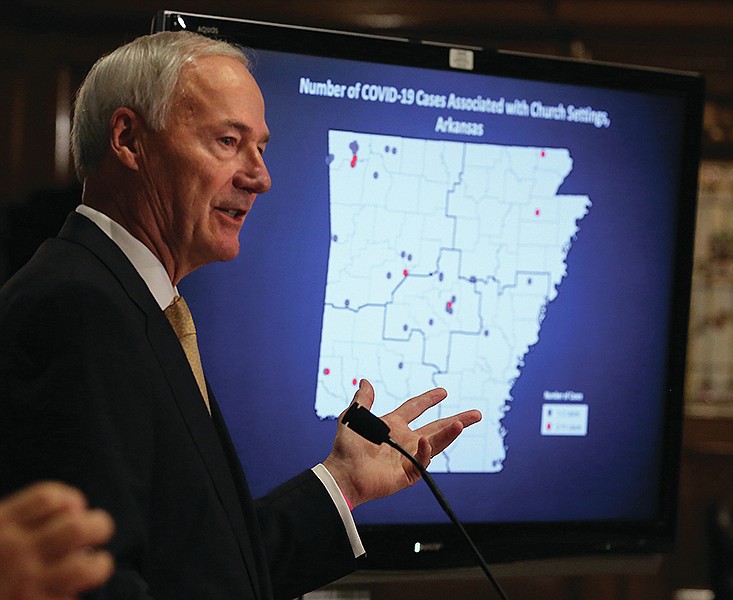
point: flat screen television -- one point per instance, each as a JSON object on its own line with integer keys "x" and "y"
{"x": 515, "y": 228}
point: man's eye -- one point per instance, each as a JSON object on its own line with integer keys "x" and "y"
{"x": 228, "y": 141}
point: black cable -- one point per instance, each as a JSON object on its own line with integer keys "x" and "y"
{"x": 372, "y": 428}
{"x": 449, "y": 511}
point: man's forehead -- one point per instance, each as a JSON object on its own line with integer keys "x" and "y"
{"x": 214, "y": 71}
{"x": 222, "y": 84}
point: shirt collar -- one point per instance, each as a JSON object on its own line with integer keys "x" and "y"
{"x": 145, "y": 262}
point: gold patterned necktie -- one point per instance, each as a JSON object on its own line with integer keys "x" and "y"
{"x": 182, "y": 322}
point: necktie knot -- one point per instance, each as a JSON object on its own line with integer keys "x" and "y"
{"x": 180, "y": 318}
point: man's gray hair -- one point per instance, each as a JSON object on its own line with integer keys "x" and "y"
{"x": 141, "y": 75}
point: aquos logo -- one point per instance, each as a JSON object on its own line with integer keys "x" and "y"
{"x": 208, "y": 30}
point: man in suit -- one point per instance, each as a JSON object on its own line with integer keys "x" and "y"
{"x": 168, "y": 138}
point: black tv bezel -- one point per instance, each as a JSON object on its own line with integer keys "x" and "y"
{"x": 391, "y": 547}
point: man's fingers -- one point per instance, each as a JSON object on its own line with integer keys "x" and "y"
{"x": 414, "y": 407}
{"x": 466, "y": 418}
{"x": 424, "y": 452}
{"x": 50, "y": 539}
{"x": 41, "y": 501}
{"x": 443, "y": 432}
{"x": 445, "y": 437}
{"x": 75, "y": 531}
{"x": 365, "y": 394}
{"x": 79, "y": 572}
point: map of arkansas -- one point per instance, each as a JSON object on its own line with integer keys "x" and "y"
{"x": 443, "y": 259}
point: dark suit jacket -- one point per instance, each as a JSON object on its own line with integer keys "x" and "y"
{"x": 96, "y": 391}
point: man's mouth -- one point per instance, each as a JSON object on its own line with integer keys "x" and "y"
{"x": 232, "y": 212}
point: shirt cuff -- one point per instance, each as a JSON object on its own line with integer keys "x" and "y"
{"x": 340, "y": 502}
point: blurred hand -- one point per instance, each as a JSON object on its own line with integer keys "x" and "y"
{"x": 365, "y": 471}
{"x": 48, "y": 541}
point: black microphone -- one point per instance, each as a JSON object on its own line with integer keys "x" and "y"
{"x": 372, "y": 428}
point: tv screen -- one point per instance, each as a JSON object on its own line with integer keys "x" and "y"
{"x": 517, "y": 229}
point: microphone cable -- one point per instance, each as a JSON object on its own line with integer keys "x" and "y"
{"x": 373, "y": 429}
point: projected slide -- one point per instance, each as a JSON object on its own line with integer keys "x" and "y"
{"x": 510, "y": 240}
{"x": 443, "y": 258}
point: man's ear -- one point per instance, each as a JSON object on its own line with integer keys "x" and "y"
{"x": 126, "y": 128}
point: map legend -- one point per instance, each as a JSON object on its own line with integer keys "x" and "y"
{"x": 564, "y": 419}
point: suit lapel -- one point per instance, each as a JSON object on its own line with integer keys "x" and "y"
{"x": 173, "y": 363}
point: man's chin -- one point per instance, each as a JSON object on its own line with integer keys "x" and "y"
{"x": 230, "y": 252}
{"x": 223, "y": 252}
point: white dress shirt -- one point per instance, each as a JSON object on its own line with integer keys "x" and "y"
{"x": 156, "y": 278}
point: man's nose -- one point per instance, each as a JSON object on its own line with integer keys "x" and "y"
{"x": 253, "y": 174}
